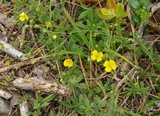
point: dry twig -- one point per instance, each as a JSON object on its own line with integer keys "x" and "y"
{"x": 18, "y": 65}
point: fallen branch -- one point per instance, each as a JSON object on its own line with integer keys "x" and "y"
{"x": 34, "y": 84}
{"x": 7, "y": 48}
{"x": 18, "y": 65}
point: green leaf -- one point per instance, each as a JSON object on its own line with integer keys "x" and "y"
{"x": 47, "y": 99}
{"x": 134, "y": 4}
{"x": 148, "y": 105}
{"x": 157, "y": 67}
{"x": 81, "y": 25}
{"x": 85, "y": 14}
{"x": 120, "y": 11}
{"x": 145, "y": 3}
{"x": 36, "y": 105}
{"x": 45, "y": 104}
{"x": 135, "y": 18}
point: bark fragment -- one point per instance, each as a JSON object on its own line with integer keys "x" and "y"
{"x": 43, "y": 86}
{"x": 7, "y": 48}
{"x": 5, "y": 108}
{"x": 5, "y": 94}
{"x": 23, "y": 108}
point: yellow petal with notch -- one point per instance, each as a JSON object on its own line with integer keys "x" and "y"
{"x": 111, "y": 4}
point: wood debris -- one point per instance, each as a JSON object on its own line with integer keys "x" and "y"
{"x": 7, "y": 48}
{"x": 5, "y": 94}
{"x": 23, "y": 108}
{"x": 35, "y": 84}
{"x": 5, "y": 108}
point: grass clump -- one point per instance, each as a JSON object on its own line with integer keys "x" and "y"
{"x": 97, "y": 56}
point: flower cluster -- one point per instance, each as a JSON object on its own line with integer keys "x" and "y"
{"x": 109, "y": 65}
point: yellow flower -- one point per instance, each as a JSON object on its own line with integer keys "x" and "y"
{"x": 110, "y": 65}
{"x": 68, "y": 63}
{"x": 96, "y": 56}
{"x": 23, "y": 16}
{"x": 48, "y": 24}
{"x": 54, "y": 37}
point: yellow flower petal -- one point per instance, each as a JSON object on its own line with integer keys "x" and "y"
{"x": 99, "y": 59}
{"x": 94, "y": 54}
{"x": 68, "y": 63}
{"x": 108, "y": 69}
{"x": 106, "y": 64}
{"x": 22, "y": 14}
{"x": 101, "y": 54}
{"x": 93, "y": 57}
{"x": 113, "y": 64}
{"x": 22, "y": 18}
{"x": 111, "y": 4}
{"x": 26, "y": 17}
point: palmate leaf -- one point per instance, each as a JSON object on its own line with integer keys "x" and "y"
{"x": 112, "y": 10}
{"x": 108, "y": 12}
{"x": 105, "y": 13}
